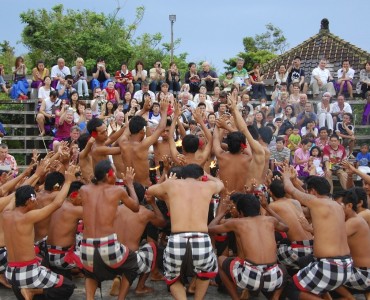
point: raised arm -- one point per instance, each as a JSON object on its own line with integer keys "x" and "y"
{"x": 207, "y": 150}
{"x": 171, "y": 141}
{"x": 279, "y": 224}
{"x": 130, "y": 201}
{"x": 217, "y": 150}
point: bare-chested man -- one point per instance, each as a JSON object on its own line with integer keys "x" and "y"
{"x": 162, "y": 147}
{"x": 85, "y": 143}
{"x": 300, "y": 231}
{"x": 189, "y": 239}
{"x": 332, "y": 265}
{"x": 24, "y": 271}
{"x": 134, "y": 150}
{"x": 358, "y": 234}
{"x": 102, "y": 255}
{"x": 62, "y": 232}
{"x": 190, "y": 143}
{"x": 255, "y": 268}
{"x": 136, "y": 222}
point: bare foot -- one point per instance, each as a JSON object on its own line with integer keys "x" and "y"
{"x": 244, "y": 295}
{"x": 42, "y": 133}
{"x": 156, "y": 277}
{"x": 29, "y": 293}
{"x": 114, "y": 291}
{"x": 4, "y": 282}
{"x": 144, "y": 290}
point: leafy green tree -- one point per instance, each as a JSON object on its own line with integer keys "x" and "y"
{"x": 7, "y": 56}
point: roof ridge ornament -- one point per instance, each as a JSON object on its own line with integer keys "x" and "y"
{"x": 324, "y": 28}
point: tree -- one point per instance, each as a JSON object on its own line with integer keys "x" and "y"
{"x": 260, "y": 49}
{"x": 7, "y": 56}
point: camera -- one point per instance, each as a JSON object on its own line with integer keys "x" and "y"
{"x": 100, "y": 66}
{"x": 81, "y": 73}
{"x": 70, "y": 82}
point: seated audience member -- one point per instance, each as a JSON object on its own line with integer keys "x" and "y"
{"x": 366, "y": 113}
{"x": 19, "y": 87}
{"x": 144, "y": 89}
{"x": 2, "y": 80}
{"x": 363, "y": 159}
{"x": 208, "y": 77}
{"x": 46, "y": 115}
{"x": 289, "y": 115}
{"x": 101, "y": 75}
{"x": 296, "y": 75}
{"x": 65, "y": 87}
{"x": 79, "y": 74}
{"x": 300, "y": 106}
{"x": 192, "y": 78}
{"x": 263, "y": 106}
{"x": 346, "y": 131}
{"x": 259, "y": 119}
{"x": 302, "y": 157}
{"x": 323, "y": 112}
{"x": 333, "y": 155}
{"x": 124, "y": 83}
{"x": 321, "y": 80}
{"x": 281, "y": 75}
{"x": 323, "y": 139}
{"x": 228, "y": 82}
{"x": 7, "y": 161}
{"x": 294, "y": 96}
{"x": 83, "y": 121}
{"x": 294, "y": 139}
{"x": 258, "y": 86}
{"x": 202, "y": 91}
{"x": 279, "y": 154}
{"x": 363, "y": 85}
{"x": 44, "y": 91}
{"x": 240, "y": 76}
{"x": 63, "y": 127}
{"x": 280, "y": 105}
{"x": 307, "y": 115}
{"x": 345, "y": 77}
{"x": 139, "y": 75}
{"x": 110, "y": 93}
{"x": 58, "y": 72}
{"x": 157, "y": 76}
{"x": 173, "y": 78}
{"x": 245, "y": 103}
{"x": 309, "y": 128}
{"x": 339, "y": 108}
{"x": 38, "y": 75}
{"x": 107, "y": 111}
{"x": 278, "y": 89}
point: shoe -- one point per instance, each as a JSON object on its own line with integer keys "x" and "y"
{"x": 23, "y": 97}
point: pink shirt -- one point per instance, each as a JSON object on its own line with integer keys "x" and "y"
{"x": 302, "y": 156}
{"x": 10, "y": 162}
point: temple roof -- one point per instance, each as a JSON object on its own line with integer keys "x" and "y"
{"x": 323, "y": 44}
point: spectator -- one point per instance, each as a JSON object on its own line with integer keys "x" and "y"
{"x": 263, "y": 106}
{"x": 216, "y": 95}
{"x": 228, "y": 81}
{"x": 63, "y": 127}
{"x": 323, "y": 112}
{"x": 280, "y": 105}
{"x": 321, "y": 80}
{"x": 46, "y": 115}
{"x": 240, "y": 75}
{"x": 110, "y": 93}
{"x": 302, "y": 157}
{"x": 124, "y": 81}
{"x": 363, "y": 159}
{"x": 306, "y": 116}
{"x": 117, "y": 123}
{"x": 157, "y": 75}
{"x": 222, "y": 109}
{"x": 7, "y": 161}
{"x": 339, "y": 108}
{"x": 294, "y": 139}
{"x": 65, "y": 87}
{"x": 289, "y": 116}
{"x": 281, "y": 75}
{"x": 279, "y": 154}
{"x": 19, "y": 88}
{"x": 107, "y": 111}
{"x": 98, "y": 100}
{"x": 366, "y": 113}
{"x": 345, "y": 77}
{"x": 139, "y": 75}
{"x": 346, "y": 131}
{"x": 300, "y": 106}
{"x": 168, "y": 94}
{"x": 192, "y": 78}
{"x": 315, "y": 165}
{"x": 144, "y": 89}
{"x": 333, "y": 155}
{"x": 79, "y": 113}
{"x": 259, "y": 120}
{"x": 245, "y": 103}
{"x": 127, "y": 100}
{"x": 44, "y": 91}
{"x": 202, "y": 90}
{"x": 79, "y": 75}
{"x": 173, "y": 79}
{"x": 208, "y": 77}
{"x": 364, "y": 83}
{"x": 309, "y": 128}
{"x": 58, "y": 72}
{"x": 323, "y": 139}
{"x": 208, "y": 103}
{"x": 211, "y": 122}
{"x": 279, "y": 88}
{"x": 294, "y": 96}
{"x": 296, "y": 75}
{"x": 258, "y": 86}
{"x": 100, "y": 74}
{"x": 83, "y": 121}
{"x": 38, "y": 75}
{"x": 2, "y": 80}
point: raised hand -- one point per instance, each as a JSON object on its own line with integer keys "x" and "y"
{"x": 197, "y": 115}
{"x": 70, "y": 174}
{"x": 164, "y": 105}
{"x": 128, "y": 178}
{"x": 43, "y": 167}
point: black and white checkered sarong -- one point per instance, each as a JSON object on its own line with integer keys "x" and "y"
{"x": 32, "y": 275}
{"x": 64, "y": 257}
{"x": 204, "y": 262}
{"x": 3, "y": 260}
{"x": 254, "y": 277}
{"x": 359, "y": 280}
{"x": 324, "y": 274}
{"x": 146, "y": 257}
{"x": 288, "y": 255}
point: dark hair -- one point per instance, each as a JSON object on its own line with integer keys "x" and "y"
{"x": 277, "y": 188}
{"x": 191, "y": 64}
{"x": 93, "y": 124}
{"x": 137, "y": 123}
{"x": 280, "y": 139}
{"x": 317, "y": 148}
{"x": 297, "y": 57}
{"x": 235, "y": 197}
{"x": 254, "y": 132}
{"x": 291, "y": 106}
{"x": 190, "y": 143}
{"x": 53, "y": 179}
{"x": 75, "y": 186}
{"x": 319, "y": 184}
{"x": 201, "y": 104}
{"x": 350, "y": 196}
{"x": 177, "y": 170}
{"x": 305, "y": 141}
{"x": 101, "y": 170}
{"x": 334, "y": 136}
{"x": 323, "y": 128}
{"x": 271, "y": 126}
{"x": 349, "y": 115}
{"x": 192, "y": 171}
{"x": 265, "y": 134}
{"x": 82, "y": 140}
{"x": 115, "y": 105}
{"x": 22, "y": 194}
{"x": 234, "y": 141}
{"x": 248, "y": 205}
{"x": 140, "y": 192}
{"x": 361, "y": 196}
{"x": 139, "y": 62}
{"x": 53, "y": 94}
{"x": 168, "y": 122}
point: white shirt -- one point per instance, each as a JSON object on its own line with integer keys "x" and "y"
{"x": 43, "y": 94}
{"x": 334, "y": 108}
{"x": 56, "y": 72}
{"x": 350, "y": 74}
{"x": 323, "y": 74}
{"x": 139, "y": 96}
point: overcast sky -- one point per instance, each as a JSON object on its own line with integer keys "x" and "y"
{"x": 213, "y": 30}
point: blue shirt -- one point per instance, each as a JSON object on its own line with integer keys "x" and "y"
{"x": 363, "y": 159}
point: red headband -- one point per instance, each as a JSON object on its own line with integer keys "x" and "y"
{"x": 110, "y": 173}
{"x": 94, "y": 134}
{"x": 243, "y": 146}
{"x": 73, "y": 195}
{"x": 205, "y": 178}
{"x": 200, "y": 143}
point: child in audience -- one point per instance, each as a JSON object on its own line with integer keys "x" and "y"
{"x": 228, "y": 81}
{"x": 310, "y": 128}
{"x": 363, "y": 159}
{"x": 315, "y": 163}
{"x": 294, "y": 140}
